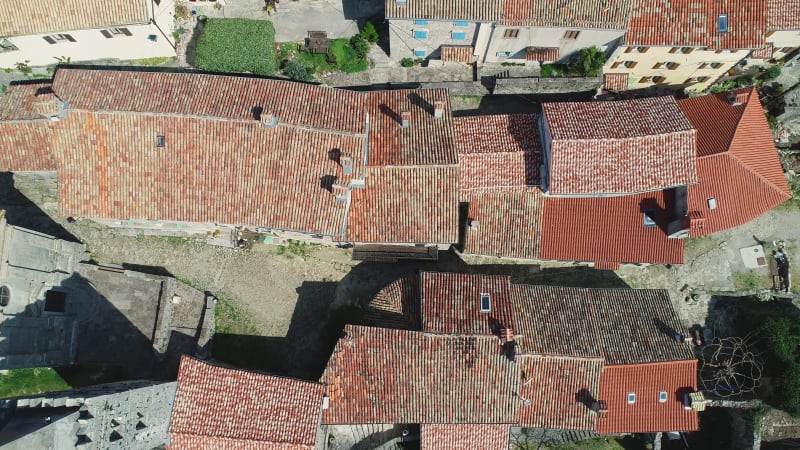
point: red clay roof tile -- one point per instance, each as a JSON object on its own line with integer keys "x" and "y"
{"x": 457, "y": 53}
{"x": 646, "y": 381}
{"x": 619, "y": 147}
{"x": 608, "y": 229}
{"x": 395, "y": 306}
{"x": 22, "y": 17}
{"x": 615, "y": 81}
{"x": 434, "y": 378}
{"x": 783, "y": 14}
{"x": 695, "y": 23}
{"x": 180, "y": 441}
{"x": 542, "y": 54}
{"x": 611, "y": 15}
{"x": 504, "y": 222}
{"x": 486, "y": 11}
{"x": 451, "y": 303}
{"x": 248, "y": 407}
{"x": 463, "y": 436}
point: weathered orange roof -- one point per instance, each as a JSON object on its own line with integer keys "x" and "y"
{"x": 485, "y": 11}
{"x": 23, "y": 17}
{"x": 646, "y": 381}
{"x": 608, "y": 230}
{"x": 243, "y": 409}
{"x": 695, "y": 23}
{"x": 736, "y": 155}
{"x": 463, "y": 436}
{"x": 450, "y": 303}
{"x": 619, "y": 147}
{"x": 457, "y": 53}
{"x": 504, "y": 222}
{"x": 611, "y": 15}
{"x": 395, "y": 306}
{"x": 783, "y": 14}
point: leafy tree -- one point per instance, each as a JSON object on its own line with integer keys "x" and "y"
{"x": 590, "y": 62}
{"x": 407, "y": 62}
{"x": 771, "y": 73}
{"x": 360, "y": 45}
{"x": 296, "y": 71}
{"x": 370, "y": 33}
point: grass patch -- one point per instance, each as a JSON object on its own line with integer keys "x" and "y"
{"x": 314, "y": 62}
{"x": 295, "y": 248}
{"x": 23, "y": 382}
{"x": 155, "y": 61}
{"x": 609, "y": 443}
{"x": 750, "y": 281}
{"x": 231, "y": 318}
{"x": 346, "y": 58}
{"x": 237, "y": 45}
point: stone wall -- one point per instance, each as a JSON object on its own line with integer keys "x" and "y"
{"x": 539, "y": 85}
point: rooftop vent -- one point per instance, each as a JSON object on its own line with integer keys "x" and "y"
{"x": 507, "y": 335}
{"x": 438, "y": 109}
{"x": 340, "y": 192}
{"x": 474, "y": 225}
{"x": 405, "y": 118}
{"x": 486, "y": 302}
{"x": 347, "y": 163}
{"x": 738, "y": 98}
{"x": 599, "y": 407}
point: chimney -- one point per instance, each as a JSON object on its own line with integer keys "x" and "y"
{"x": 739, "y": 98}
{"x": 438, "y": 109}
{"x": 599, "y": 407}
{"x": 52, "y": 109}
{"x": 340, "y": 192}
{"x": 507, "y": 335}
{"x": 473, "y": 225}
{"x": 347, "y": 163}
{"x": 405, "y": 117}
{"x": 269, "y": 120}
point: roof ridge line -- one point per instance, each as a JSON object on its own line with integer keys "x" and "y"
{"x": 758, "y": 175}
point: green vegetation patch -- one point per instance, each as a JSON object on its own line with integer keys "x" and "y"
{"x": 155, "y": 61}
{"x": 231, "y": 318}
{"x": 750, "y": 281}
{"x": 23, "y": 382}
{"x": 347, "y": 59}
{"x": 237, "y": 45}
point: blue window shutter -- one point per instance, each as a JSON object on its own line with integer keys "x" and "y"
{"x": 459, "y": 35}
{"x": 420, "y": 34}
{"x": 420, "y": 53}
{"x": 420, "y": 22}
{"x": 462, "y": 23}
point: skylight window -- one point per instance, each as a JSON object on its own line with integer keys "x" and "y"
{"x": 649, "y": 218}
{"x": 160, "y": 141}
{"x": 486, "y": 303}
{"x": 662, "y": 397}
{"x": 722, "y": 23}
{"x": 631, "y": 398}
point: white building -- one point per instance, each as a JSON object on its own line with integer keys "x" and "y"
{"x": 44, "y": 32}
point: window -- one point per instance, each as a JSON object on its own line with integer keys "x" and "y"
{"x": 486, "y": 303}
{"x": 674, "y": 49}
{"x": 7, "y": 46}
{"x": 420, "y": 53}
{"x": 461, "y": 23}
{"x": 5, "y": 295}
{"x": 55, "y": 301}
{"x": 420, "y": 34}
{"x": 659, "y": 79}
{"x": 703, "y": 66}
{"x": 115, "y": 32}
{"x": 630, "y": 64}
{"x": 420, "y": 22}
{"x": 642, "y": 49}
{"x": 687, "y": 50}
{"x": 716, "y": 65}
{"x": 649, "y": 218}
{"x": 645, "y": 80}
{"x": 160, "y": 141}
{"x": 658, "y": 65}
{"x": 511, "y": 33}
{"x": 55, "y": 38}
{"x": 459, "y": 35}
{"x": 785, "y": 49}
{"x": 662, "y": 397}
{"x": 722, "y": 23}
{"x": 672, "y": 65}
{"x": 712, "y": 203}
{"x": 572, "y": 34}
{"x": 702, "y": 79}
{"x": 503, "y": 54}
{"x": 616, "y": 64}
{"x": 631, "y": 398}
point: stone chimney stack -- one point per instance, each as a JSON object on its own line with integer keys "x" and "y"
{"x": 405, "y": 118}
{"x": 438, "y": 109}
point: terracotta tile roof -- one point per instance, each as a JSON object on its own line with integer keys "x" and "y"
{"x": 508, "y": 222}
{"x": 623, "y": 326}
{"x": 542, "y": 54}
{"x": 558, "y": 390}
{"x": 608, "y": 230}
{"x": 498, "y": 151}
{"x": 457, "y": 53}
{"x": 459, "y": 437}
{"x": 486, "y": 11}
{"x": 395, "y": 306}
{"x": 619, "y": 147}
{"x": 192, "y": 442}
{"x": 783, "y": 14}
{"x": 21, "y": 100}
{"x": 426, "y": 141}
{"x": 736, "y": 155}
{"x": 212, "y": 96}
{"x": 647, "y": 414}
{"x": 434, "y": 378}
{"x": 112, "y": 168}
{"x": 451, "y": 303}
{"x": 25, "y": 146}
{"x": 615, "y": 81}
{"x": 763, "y": 53}
{"x": 695, "y": 23}
{"x": 612, "y": 15}
{"x": 406, "y": 205}
{"x": 22, "y": 17}
{"x": 217, "y": 402}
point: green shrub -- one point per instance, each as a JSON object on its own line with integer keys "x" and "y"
{"x": 347, "y": 60}
{"x": 407, "y": 62}
{"x": 360, "y": 45}
{"x": 552, "y": 70}
{"x": 590, "y": 62}
{"x": 237, "y": 45}
{"x": 772, "y": 73}
{"x": 296, "y": 71}
{"x": 370, "y": 33}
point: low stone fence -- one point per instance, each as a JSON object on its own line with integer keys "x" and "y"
{"x": 540, "y": 85}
